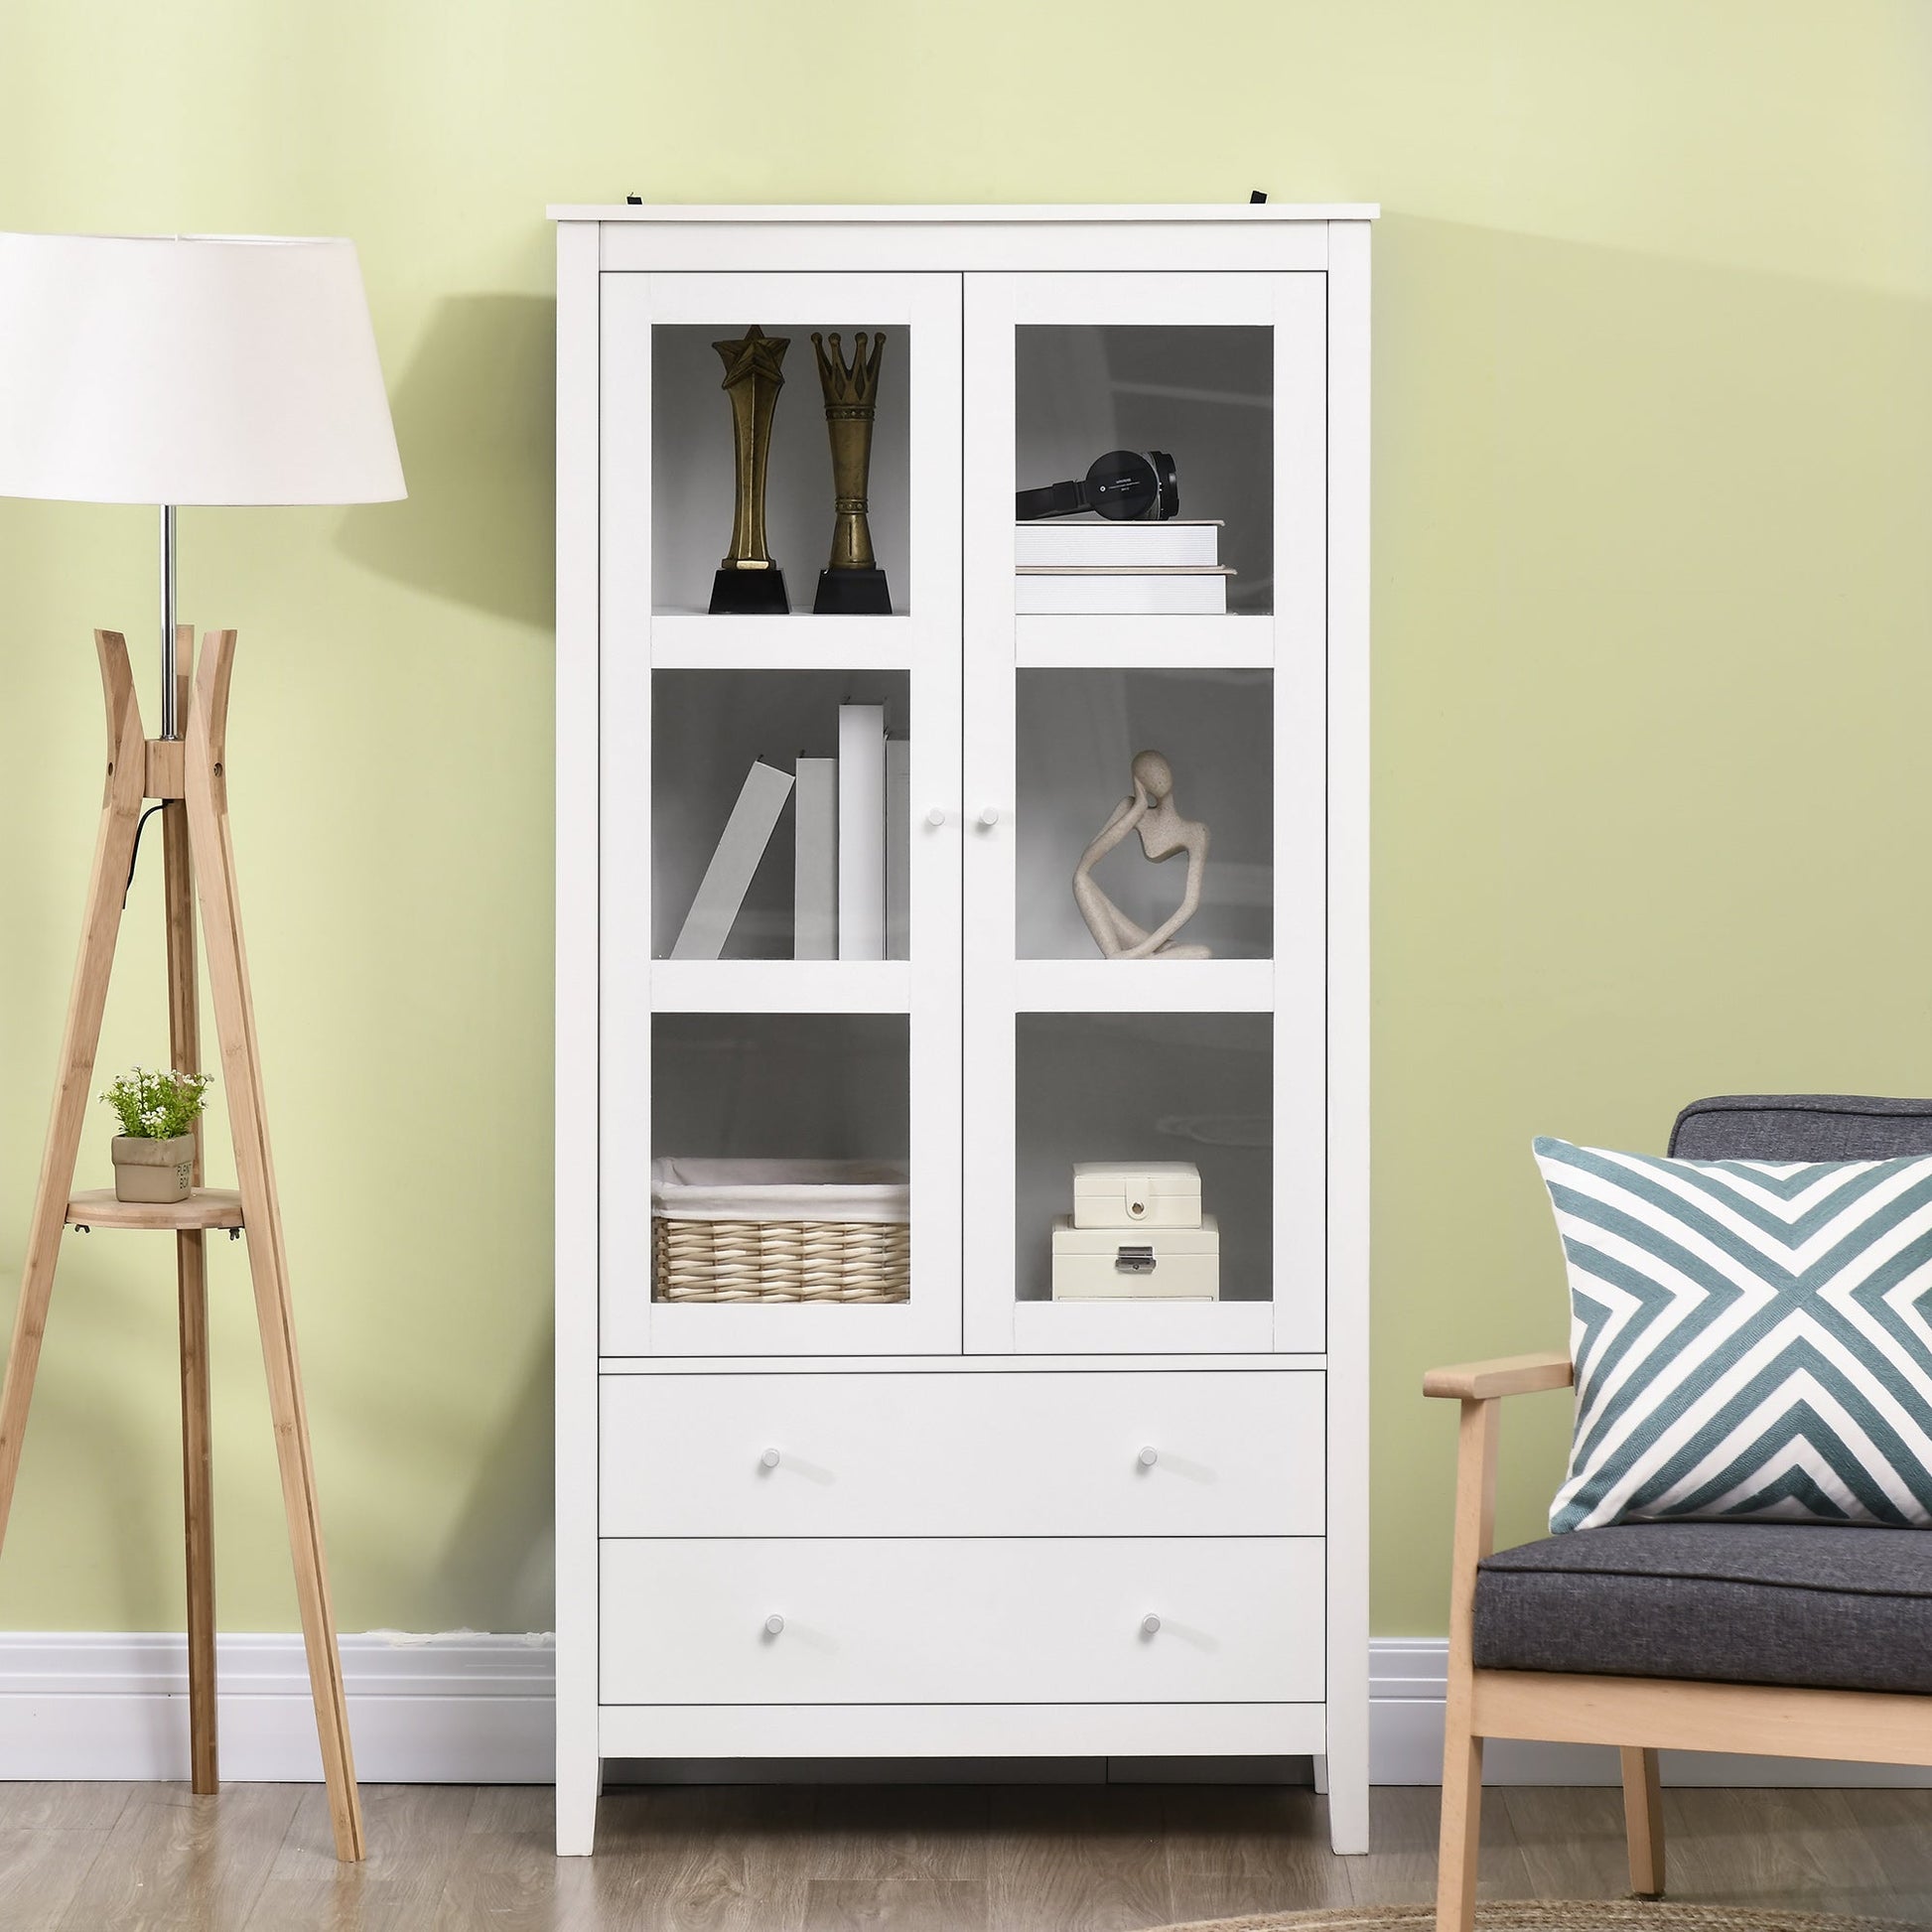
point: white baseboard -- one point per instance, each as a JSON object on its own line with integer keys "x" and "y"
{"x": 459, "y": 1708}
{"x": 1407, "y": 1680}
{"x": 469, "y": 1709}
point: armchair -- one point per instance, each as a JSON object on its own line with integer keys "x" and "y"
{"x": 1811, "y": 1643}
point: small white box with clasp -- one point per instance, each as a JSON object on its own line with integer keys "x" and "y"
{"x": 1153, "y": 1195}
{"x": 1138, "y": 1264}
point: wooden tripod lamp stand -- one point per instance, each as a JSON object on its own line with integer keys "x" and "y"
{"x": 169, "y": 370}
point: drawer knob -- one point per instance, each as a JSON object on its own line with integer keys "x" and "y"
{"x": 774, "y": 1623}
{"x": 770, "y": 1458}
{"x": 1149, "y": 1624}
{"x": 989, "y": 816}
{"x": 935, "y": 815}
{"x": 1149, "y": 1456}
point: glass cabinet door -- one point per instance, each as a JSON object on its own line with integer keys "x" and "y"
{"x": 1145, "y": 793}
{"x": 780, "y": 888}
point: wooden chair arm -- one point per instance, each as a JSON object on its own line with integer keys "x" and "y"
{"x": 1505, "y": 1375}
{"x": 1479, "y": 1387}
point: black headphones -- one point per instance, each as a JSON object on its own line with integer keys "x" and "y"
{"x": 1119, "y": 484}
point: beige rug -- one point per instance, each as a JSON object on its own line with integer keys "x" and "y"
{"x": 1558, "y": 1915}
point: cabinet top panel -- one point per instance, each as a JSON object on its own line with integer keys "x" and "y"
{"x": 928, "y": 213}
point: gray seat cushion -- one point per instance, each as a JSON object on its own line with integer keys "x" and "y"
{"x": 1731, "y": 1603}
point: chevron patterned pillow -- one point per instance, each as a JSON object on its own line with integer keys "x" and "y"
{"x": 1753, "y": 1340}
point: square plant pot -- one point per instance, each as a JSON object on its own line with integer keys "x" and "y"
{"x": 153, "y": 1171}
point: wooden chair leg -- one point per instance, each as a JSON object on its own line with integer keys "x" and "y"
{"x": 1475, "y": 1525}
{"x": 191, "y": 1273}
{"x": 1455, "y": 1866}
{"x": 120, "y": 816}
{"x": 1643, "y": 1820}
{"x": 235, "y": 1021}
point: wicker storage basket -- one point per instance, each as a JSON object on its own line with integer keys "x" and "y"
{"x": 781, "y": 1231}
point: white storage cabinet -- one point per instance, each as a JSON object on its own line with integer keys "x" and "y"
{"x": 976, "y": 1521}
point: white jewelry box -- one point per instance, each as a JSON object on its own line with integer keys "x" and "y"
{"x": 1155, "y": 1195}
{"x": 1137, "y": 1264}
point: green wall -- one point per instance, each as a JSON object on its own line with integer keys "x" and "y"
{"x": 1652, "y": 495}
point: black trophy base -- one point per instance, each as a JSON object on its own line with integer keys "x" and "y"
{"x": 852, "y": 593}
{"x": 750, "y": 594}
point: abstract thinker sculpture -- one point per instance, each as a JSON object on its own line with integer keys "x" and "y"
{"x": 1152, "y": 812}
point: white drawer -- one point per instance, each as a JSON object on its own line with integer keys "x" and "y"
{"x": 973, "y": 1620}
{"x": 1236, "y": 1453}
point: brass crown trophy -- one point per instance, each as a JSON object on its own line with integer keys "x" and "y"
{"x": 749, "y": 583}
{"x": 852, "y": 584}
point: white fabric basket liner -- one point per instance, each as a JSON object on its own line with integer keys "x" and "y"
{"x": 878, "y": 1192}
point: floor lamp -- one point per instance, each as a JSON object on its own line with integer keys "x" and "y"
{"x": 170, "y": 370}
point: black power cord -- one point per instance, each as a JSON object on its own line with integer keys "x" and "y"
{"x": 134, "y": 856}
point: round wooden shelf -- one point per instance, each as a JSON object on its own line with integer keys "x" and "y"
{"x": 206, "y": 1207}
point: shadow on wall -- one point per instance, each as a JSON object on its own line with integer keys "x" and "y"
{"x": 1650, "y": 677}
{"x": 475, "y": 415}
{"x": 500, "y": 1559}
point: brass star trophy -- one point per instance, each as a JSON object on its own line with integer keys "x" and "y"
{"x": 749, "y": 583}
{"x": 852, "y": 584}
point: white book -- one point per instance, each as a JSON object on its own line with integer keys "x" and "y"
{"x": 1061, "y": 540}
{"x": 727, "y": 878}
{"x": 862, "y": 831}
{"x": 899, "y": 871}
{"x": 816, "y": 873}
{"x": 1187, "y": 589}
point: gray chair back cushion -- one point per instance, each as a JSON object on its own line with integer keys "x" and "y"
{"x": 1801, "y": 1127}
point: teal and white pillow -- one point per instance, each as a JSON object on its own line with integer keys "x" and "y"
{"x": 1751, "y": 1339}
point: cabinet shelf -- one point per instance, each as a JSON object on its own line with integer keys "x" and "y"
{"x": 782, "y": 985}
{"x": 694, "y": 641}
{"x": 1238, "y": 642}
{"x": 206, "y": 1207}
{"x": 1144, "y": 986}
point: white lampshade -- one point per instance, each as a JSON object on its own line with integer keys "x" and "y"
{"x": 190, "y": 369}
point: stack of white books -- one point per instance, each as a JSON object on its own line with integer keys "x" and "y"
{"x": 1088, "y": 565}
{"x": 850, "y": 869}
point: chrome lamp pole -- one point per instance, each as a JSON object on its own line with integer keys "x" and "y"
{"x": 170, "y": 723}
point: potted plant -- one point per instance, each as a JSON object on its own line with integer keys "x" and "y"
{"x": 154, "y": 1153}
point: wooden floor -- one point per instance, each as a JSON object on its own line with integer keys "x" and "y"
{"x": 110, "y": 1858}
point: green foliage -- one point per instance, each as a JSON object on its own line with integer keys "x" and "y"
{"x": 158, "y": 1106}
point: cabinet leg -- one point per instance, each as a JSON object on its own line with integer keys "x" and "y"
{"x": 580, "y": 1780}
{"x": 1347, "y": 1810}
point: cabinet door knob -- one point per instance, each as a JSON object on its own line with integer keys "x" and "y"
{"x": 1149, "y": 1624}
{"x": 989, "y": 815}
{"x": 770, "y": 1458}
{"x": 774, "y": 1623}
{"x": 935, "y": 814}
{"x": 1149, "y": 1456}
